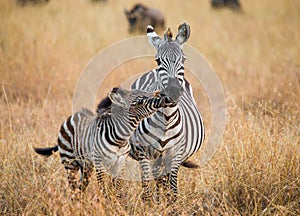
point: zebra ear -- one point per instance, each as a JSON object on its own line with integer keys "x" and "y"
{"x": 153, "y": 38}
{"x": 127, "y": 13}
{"x": 117, "y": 96}
{"x": 184, "y": 31}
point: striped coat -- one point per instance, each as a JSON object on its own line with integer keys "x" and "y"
{"x": 86, "y": 140}
{"x": 170, "y": 136}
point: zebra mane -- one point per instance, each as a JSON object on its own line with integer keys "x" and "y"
{"x": 168, "y": 35}
{"x": 105, "y": 104}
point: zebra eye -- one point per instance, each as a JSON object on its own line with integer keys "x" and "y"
{"x": 139, "y": 101}
{"x": 158, "y": 61}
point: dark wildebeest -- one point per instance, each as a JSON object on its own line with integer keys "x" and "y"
{"x": 98, "y": 1}
{"x": 233, "y": 4}
{"x": 140, "y": 16}
{"x": 23, "y": 2}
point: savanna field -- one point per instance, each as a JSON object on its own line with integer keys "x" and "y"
{"x": 256, "y": 54}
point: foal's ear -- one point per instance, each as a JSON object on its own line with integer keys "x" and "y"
{"x": 184, "y": 31}
{"x": 127, "y": 13}
{"x": 117, "y": 96}
{"x": 153, "y": 38}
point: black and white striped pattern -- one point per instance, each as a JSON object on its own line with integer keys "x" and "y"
{"x": 86, "y": 140}
{"x": 173, "y": 134}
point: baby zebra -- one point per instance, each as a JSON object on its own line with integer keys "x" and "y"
{"x": 86, "y": 140}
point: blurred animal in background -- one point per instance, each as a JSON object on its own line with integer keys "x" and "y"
{"x": 232, "y": 4}
{"x": 140, "y": 16}
{"x": 24, "y": 2}
{"x": 98, "y": 1}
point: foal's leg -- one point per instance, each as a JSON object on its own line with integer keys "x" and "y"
{"x": 72, "y": 170}
{"x": 146, "y": 174}
{"x": 84, "y": 178}
{"x": 100, "y": 175}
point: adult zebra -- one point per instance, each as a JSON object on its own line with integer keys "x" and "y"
{"x": 170, "y": 136}
{"x": 86, "y": 140}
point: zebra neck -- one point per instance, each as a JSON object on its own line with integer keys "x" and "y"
{"x": 123, "y": 126}
{"x": 168, "y": 115}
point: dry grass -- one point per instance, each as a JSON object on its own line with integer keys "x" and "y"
{"x": 256, "y": 54}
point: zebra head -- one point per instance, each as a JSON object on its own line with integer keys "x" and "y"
{"x": 138, "y": 103}
{"x": 169, "y": 54}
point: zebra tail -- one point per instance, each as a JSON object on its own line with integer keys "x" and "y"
{"x": 189, "y": 164}
{"x": 46, "y": 152}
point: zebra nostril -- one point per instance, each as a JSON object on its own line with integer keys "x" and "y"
{"x": 168, "y": 100}
{"x": 156, "y": 93}
{"x": 162, "y": 94}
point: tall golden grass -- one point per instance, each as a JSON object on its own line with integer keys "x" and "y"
{"x": 43, "y": 50}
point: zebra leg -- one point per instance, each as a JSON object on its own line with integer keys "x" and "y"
{"x": 146, "y": 194}
{"x": 146, "y": 169}
{"x": 85, "y": 178}
{"x": 173, "y": 191}
{"x": 72, "y": 170}
{"x": 173, "y": 173}
{"x": 117, "y": 183}
{"x": 161, "y": 181}
{"x": 72, "y": 178}
{"x": 100, "y": 175}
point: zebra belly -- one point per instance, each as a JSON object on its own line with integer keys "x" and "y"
{"x": 193, "y": 126}
{"x": 112, "y": 159}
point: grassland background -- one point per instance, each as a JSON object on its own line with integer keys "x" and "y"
{"x": 256, "y": 55}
